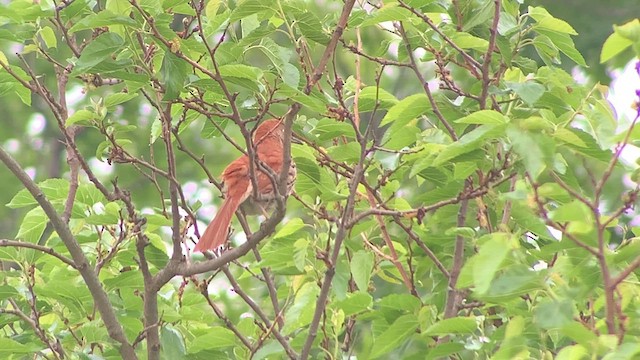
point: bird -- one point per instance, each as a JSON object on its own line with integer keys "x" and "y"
{"x": 268, "y": 142}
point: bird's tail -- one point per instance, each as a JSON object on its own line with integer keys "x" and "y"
{"x": 216, "y": 233}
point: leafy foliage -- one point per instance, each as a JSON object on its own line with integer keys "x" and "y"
{"x": 455, "y": 196}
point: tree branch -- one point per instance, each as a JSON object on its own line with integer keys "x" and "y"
{"x": 100, "y": 298}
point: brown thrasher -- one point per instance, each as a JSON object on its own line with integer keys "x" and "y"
{"x": 236, "y": 178}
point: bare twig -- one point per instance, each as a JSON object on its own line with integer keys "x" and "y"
{"x": 44, "y": 249}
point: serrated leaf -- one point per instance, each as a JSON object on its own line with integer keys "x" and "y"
{"x": 311, "y": 27}
{"x": 173, "y": 74}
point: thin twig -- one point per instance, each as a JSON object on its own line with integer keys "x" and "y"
{"x": 44, "y": 249}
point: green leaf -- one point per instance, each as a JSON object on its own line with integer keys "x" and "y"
{"x": 81, "y": 116}
{"x": 102, "y": 19}
{"x": 209, "y": 130}
{"x": 630, "y": 30}
{"x": 468, "y": 41}
{"x": 442, "y": 351}
{"x": 400, "y": 302}
{"x": 215, "y": 337}
{"x": 173, "y": 74}
{"x": 614, "y": 45}
{"x": 211, "y": 8}
{"x": 98, "y": 50}
{"x": 573, "y": 211}
{"x": 328, "y": 129}
{"x": 371, "y": 96}
{"x": 127, "y": 279}
{"x": 118, "y": 98}
{"x": 545, "y": 20}
{"x": 93, "y": 332}
{"x": 301, "y": 311}
{"x": 564, "y": 43}
{"x": 489, "y": 259}
{"x": 468, "y": 142}
{"x": 251, "y": 7}
{"x": 311, "y": 27}
{"x": 172, "y": 343}
{"x": 536, "y": 150}
{"x": 455, "y": 325}
{"x": 394, "y": 335}
{"x": 7, "y": 291}
{"x": 569, "y": 137}
{"x": 407, "y": 109}
{"x": 528, "y": 91}
{"x": 241, "y": 71}
{"x": 389, "y": 12}
{"x": 355, "y": 303}
{"x": 49, "y": 37}
{"x": 579, "y": 333}
{"x": 490, "y": 117}
{"x": 110, "y": 215}
{"x": 626, "y": 351}
{"x": 349, "y": 152}
{"x": 362, "y": 268}
{"x": 32, "y": 225}
{"x": 553, "y": 314}
{"x": 479, "y": 16}
{"x": 10, "y": 347}
{"x": 290, "y": 227}
{"x": 572, "y": 352}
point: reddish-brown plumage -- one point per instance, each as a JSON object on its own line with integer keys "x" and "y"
{"x": 268, "y": 141}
